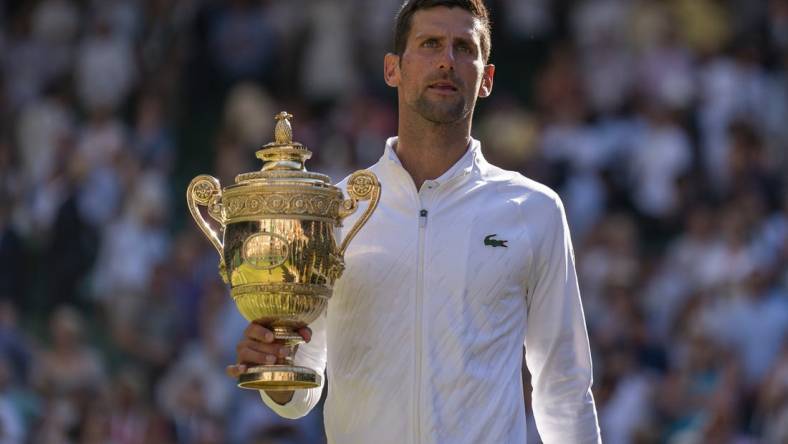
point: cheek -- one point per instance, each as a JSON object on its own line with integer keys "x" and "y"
{"x": 411, "y": 69}
{"x": 410, "y": 78}
{"x": 473, "y": 82}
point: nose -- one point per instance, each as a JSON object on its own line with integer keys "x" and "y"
{"x": 446, "y": 60}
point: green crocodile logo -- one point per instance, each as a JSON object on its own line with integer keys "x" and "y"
{"x": 489, "y": 241}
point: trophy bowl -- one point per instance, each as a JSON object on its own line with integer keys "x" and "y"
{"x": 278, "y": 245}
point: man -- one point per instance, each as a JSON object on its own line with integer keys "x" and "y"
{"x": 461, "y": 264}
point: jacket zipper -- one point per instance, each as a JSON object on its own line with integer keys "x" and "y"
{"x": 419, "y": 307}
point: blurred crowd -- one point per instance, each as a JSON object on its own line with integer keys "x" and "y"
{"x": 662, "y": 123}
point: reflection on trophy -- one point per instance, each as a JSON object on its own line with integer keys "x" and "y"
{"x": 278, "y": 244}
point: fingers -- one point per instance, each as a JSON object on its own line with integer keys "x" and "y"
{"x": 250, "y": 351}
{"x": 254, "y": 357}
{"x": 259, "y": 347}
{"x": 258, "y": 333}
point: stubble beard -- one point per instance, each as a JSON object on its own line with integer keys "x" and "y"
{"x": 441, "y": 112}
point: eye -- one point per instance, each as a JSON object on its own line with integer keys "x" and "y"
{"x": 464, "y": 47}
{"x": 430, "y": 43}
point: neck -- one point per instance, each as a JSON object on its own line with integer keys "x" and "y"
{"x": 427, "y": 150}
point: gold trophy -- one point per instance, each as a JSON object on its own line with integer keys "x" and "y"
{"x": 278, "y": 244}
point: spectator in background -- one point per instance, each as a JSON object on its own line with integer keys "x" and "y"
{"x": 105, "y": 68}
{"x": 12, "y": 255}
{"x": 152, "y": 136}
{"x": 660, "y": 154}
{"x": 243, "y": 43}
{"x": 69, "y": 367}
{"x": 13, "y": 429}
{"x": 328, "y": 70}
{"x": 772, "y": 407}
{"x": 41, "y": 128}
{"x": 15, "y": 347}
{"x": 135, "y": 243}
{"x": 70, "y": 373}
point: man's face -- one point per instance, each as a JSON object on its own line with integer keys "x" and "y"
{"x": 442, "y": 70}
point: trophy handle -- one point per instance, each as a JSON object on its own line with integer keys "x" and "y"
{"x": 205, "y": 191}
{"x": 362, "y": 185}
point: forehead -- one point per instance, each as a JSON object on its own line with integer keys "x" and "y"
{"x": 442, "y": 21}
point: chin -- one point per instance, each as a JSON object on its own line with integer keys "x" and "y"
{"x": 442, "y": 113}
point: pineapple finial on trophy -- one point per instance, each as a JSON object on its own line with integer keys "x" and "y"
{"x": 282, "y": 153}
{"x": 283, "y": 133}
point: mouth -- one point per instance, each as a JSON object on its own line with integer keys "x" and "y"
{"x": 443, "y": 86}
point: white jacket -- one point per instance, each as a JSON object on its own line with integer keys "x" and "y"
{"x": 424, "y": 332}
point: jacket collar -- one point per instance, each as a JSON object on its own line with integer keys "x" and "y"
{"x": 470, "y": 163}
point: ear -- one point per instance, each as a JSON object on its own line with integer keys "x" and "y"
{"x": 485, "y": 89}
{"x": 391, "y": 72}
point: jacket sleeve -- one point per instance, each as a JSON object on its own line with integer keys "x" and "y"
{"x": 311, "y": 355}
{"x": 557, "y": 349}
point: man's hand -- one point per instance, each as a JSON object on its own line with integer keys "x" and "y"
{"x": 258, "y": 347}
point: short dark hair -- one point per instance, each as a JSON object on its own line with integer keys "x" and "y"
{"x": 405, "y": 15}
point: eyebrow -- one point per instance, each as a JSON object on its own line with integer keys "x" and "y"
{"x": 458, "y": 39}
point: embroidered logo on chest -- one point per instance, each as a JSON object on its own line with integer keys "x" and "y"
{"x": 490, "y": 242}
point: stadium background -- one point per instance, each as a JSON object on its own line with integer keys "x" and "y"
{"x": 663, "y": 124}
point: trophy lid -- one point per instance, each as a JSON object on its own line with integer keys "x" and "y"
{"x": 283, "y": 159}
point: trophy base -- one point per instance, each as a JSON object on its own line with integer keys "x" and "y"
{"x": 279, "y": 378}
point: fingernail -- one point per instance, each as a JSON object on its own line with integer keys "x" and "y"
{"x": 270, "y": 359}
{"x": 269, "y": 336}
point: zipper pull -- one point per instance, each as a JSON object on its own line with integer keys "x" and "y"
{"x": 422, "y": 218}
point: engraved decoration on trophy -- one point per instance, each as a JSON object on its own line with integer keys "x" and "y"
{"x": 277, "y": 242}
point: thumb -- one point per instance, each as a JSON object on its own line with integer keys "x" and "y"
{"x": 305, "y": 333}
{"x": 235, "y": 370}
